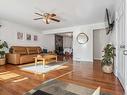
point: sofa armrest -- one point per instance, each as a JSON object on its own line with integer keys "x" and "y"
{"x": 13, "y": 58}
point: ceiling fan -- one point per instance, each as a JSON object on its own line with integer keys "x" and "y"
{"x": 47, "y": 17}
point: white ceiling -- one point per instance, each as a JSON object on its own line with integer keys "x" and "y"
{"x": 71, "y": 12}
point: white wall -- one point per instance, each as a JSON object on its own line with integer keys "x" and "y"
{"x": 8, "y": 32}
{"x": 83, "y": 52}
{"x": 100, "y": 41}
{"x": 72, "y": 29}
{"x": 48, "y": 42}
{"x": 67, "y": 42}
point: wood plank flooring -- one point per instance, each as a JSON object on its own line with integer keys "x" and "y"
{"x": 82, "y": 73}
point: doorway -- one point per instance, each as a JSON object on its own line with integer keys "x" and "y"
{"x": 99, "y": 42}
{"x": 59, "y": 44}
{"x": 64, "y": 43}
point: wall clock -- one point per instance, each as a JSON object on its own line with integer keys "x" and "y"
{"x": 82, "y": 38}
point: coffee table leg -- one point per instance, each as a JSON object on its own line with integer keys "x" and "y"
{"x": 56, "y": 58}
{"x": 43, "y": 63}
{"x": 35, "y": 64}
{"x": 35, "y": 61}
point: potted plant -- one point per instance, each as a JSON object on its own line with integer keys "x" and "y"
{"x": 108, "y": 57}
{"x": 3, "y": 47}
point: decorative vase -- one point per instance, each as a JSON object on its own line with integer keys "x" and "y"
{"x": 107, "y": 68}
{"x": 2, "y": 61}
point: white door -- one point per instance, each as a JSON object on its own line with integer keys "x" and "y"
{"x": 125, "y": 51}
{"x": 120, "y": 29}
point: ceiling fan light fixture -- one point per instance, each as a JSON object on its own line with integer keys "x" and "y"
{"x": 47, "y": 21}
{"x": 47, "y": 17}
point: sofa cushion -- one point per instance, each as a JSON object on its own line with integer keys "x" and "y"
{"x": 25, "y": 53}
{"x": 18, "y": 50}
{"x": 27, "y": 58}
{"x": 39, "y": 50}
{"x": 32, "y": 50}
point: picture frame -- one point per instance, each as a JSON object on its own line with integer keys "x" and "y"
{"x": 28, "y": 36}
{"x": 35, "y": 38}
{"x": 19, "y": 36}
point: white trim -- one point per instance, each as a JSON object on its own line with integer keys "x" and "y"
{"x": 72, "y": 29}
{"x": 116, "y": 30}
{"x": 126, "y": 90}
{"x": 122, "y": 9}
{"x": 126, "y": 47}
{"x": 120, "y": 78}
{"x": 97, "y": 58}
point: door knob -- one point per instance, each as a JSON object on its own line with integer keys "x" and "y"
{"x": 125, "y": 52}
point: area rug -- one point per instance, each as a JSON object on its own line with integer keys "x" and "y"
{"x": 39, "y": 69}
{"x": 57, "y": 87}
{"x": 8, "y": 75}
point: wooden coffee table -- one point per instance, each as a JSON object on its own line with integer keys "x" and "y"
{"x": 45, "y": 58}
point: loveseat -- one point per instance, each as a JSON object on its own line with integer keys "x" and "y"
{"x": 22, "y": 54}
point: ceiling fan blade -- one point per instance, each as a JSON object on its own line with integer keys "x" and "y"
{"x": 47, "y": 22}
{"x": 37, "y": 18}
{"x": 53, "y": 15}
{"x": 57, "y": 20}
{"x": 39, "y": 14}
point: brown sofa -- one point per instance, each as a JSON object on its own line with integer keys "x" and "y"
{"x": 22, "y": 54}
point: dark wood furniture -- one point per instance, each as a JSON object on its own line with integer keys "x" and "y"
{"x": 59, "y": 44}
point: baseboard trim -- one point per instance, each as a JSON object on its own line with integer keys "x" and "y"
{"x": 126, "y": 90}
{"x": 97, "y": 59}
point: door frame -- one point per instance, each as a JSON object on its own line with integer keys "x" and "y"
{"x": 126, "y": 47}
{"x": 123, "y": 4}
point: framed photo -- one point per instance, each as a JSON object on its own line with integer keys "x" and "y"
{"x": 35, "y": 37}
{"x": 28, "y": 36}
{"x": 19, "y": 36}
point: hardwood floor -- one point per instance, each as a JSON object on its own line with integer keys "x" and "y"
{"x": 82, "y": 73}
